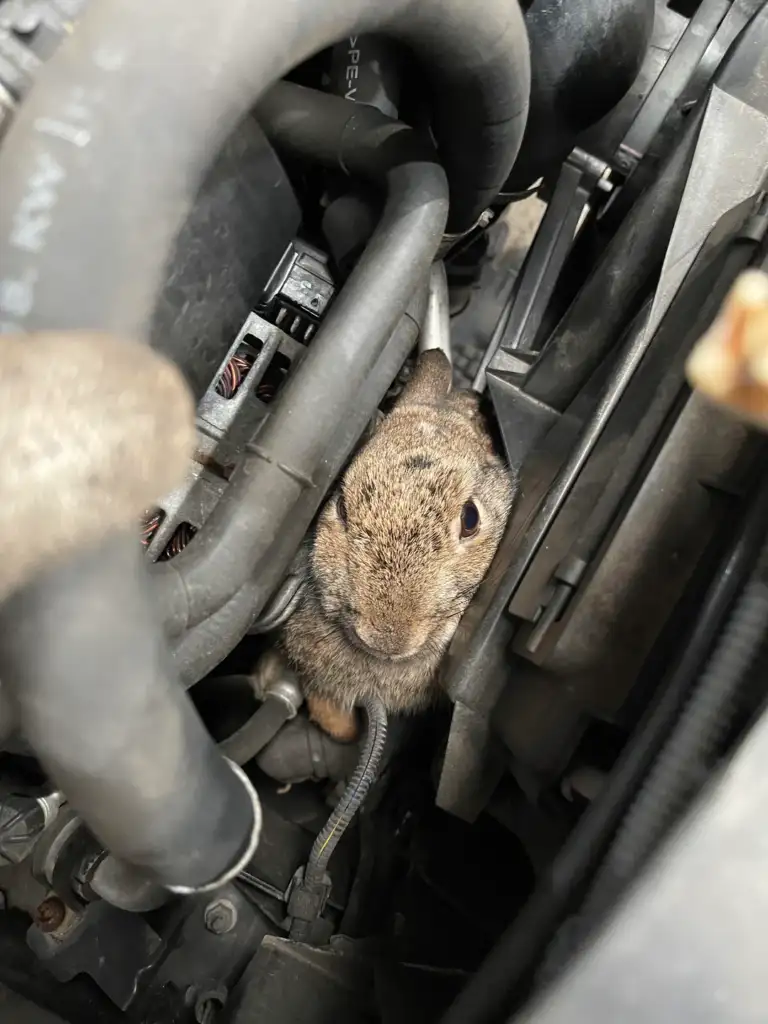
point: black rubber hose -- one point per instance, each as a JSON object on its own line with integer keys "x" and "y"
{"x": 327, "y": 129}
{"x": 115, "y": 190}
{"x": 353, "y": 796}
{"x": 302, "y": 751}
{"x": 203, "y": 647}
{"x": 114, "y": 729}
{"x": 260, "y": 729}
{"x": 584, "y": 59}
{"x": 283, "y": 462}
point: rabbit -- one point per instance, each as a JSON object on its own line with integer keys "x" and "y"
{"x": 398, "y": 552}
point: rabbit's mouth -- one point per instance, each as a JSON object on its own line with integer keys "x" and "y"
{"x": 383, "y": 649}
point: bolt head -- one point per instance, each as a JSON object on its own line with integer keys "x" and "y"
{"x": 220, "y": 917}
{"x": 50, "y": 914}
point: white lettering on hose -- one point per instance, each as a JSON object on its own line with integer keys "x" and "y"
{"x": 32, "y": 219}
{"x": 352, "y": 71}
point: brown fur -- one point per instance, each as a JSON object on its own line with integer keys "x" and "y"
{"x": 333, "y": 719}
{"x": 386, "y": 591}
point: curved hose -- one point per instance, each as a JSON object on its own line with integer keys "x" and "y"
{"x": 585, "y": 58}
{"x": 202, "y": 648}
{"x": 116, "y": 189}
{"x": 284, "y": 462}
{"x": 353, "y": 796}
{"x": 260, "y": 729}
{"x": 114, "y": 729}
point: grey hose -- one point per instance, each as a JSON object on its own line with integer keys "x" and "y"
{"x": 262, "y": 727}
{"x": 118, "y": 187}
{"x": 114, "y": 729}
{"x": 284, "y": 462}
{"x": 202, "y": 648}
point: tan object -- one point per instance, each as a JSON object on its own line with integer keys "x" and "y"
{"x": 729, "y": 363}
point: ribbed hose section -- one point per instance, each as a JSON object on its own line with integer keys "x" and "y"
{"x": 684, "y": 761}
{"x": 353, "y": 795}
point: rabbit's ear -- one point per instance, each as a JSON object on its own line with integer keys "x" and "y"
{"x": 431, "y": 380}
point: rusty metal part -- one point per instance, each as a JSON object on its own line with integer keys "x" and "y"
{"x": 50, "y": 914}
{"x": 729, "y": 364}
{"x": 92, "y": 429}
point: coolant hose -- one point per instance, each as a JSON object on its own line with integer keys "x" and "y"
{"x": 287, "y": 456}
{"x": 262, "y": 727}
{"x": 113, "y": 728}
{"x": 200, "y": 649}
{"x": 106, "y": 154}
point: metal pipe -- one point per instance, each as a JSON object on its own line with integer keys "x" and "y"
{"x": 436, "y": 332}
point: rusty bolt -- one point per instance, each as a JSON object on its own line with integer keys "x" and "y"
{"x": 220, "y": 917}
{"x": 50, "y": 914}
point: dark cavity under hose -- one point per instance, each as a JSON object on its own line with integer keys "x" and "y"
{"x": 353, "y": 795}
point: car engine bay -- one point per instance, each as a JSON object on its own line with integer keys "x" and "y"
{"x": 384, "y": 588}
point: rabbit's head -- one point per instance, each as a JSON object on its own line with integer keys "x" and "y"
{"x": 404, "y": 542}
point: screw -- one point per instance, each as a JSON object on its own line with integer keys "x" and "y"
{"x": 220, "y": 917}
{"x": 50, "y": 914}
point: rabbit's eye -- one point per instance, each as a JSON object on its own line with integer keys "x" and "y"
{"x": 341, "y": 510}
{"x": 470, "y": 520}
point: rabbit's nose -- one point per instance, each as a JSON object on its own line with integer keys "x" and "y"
{"x": 382, "y": 640}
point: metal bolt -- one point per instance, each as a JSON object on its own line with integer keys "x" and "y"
{"x": 208, "y": 1004}
{"x": 220, "y": 917}
{"x": 50, "y": 914}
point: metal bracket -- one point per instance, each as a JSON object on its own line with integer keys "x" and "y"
{"x": 558, "y": 593}
{"x": 519, "y": 324}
